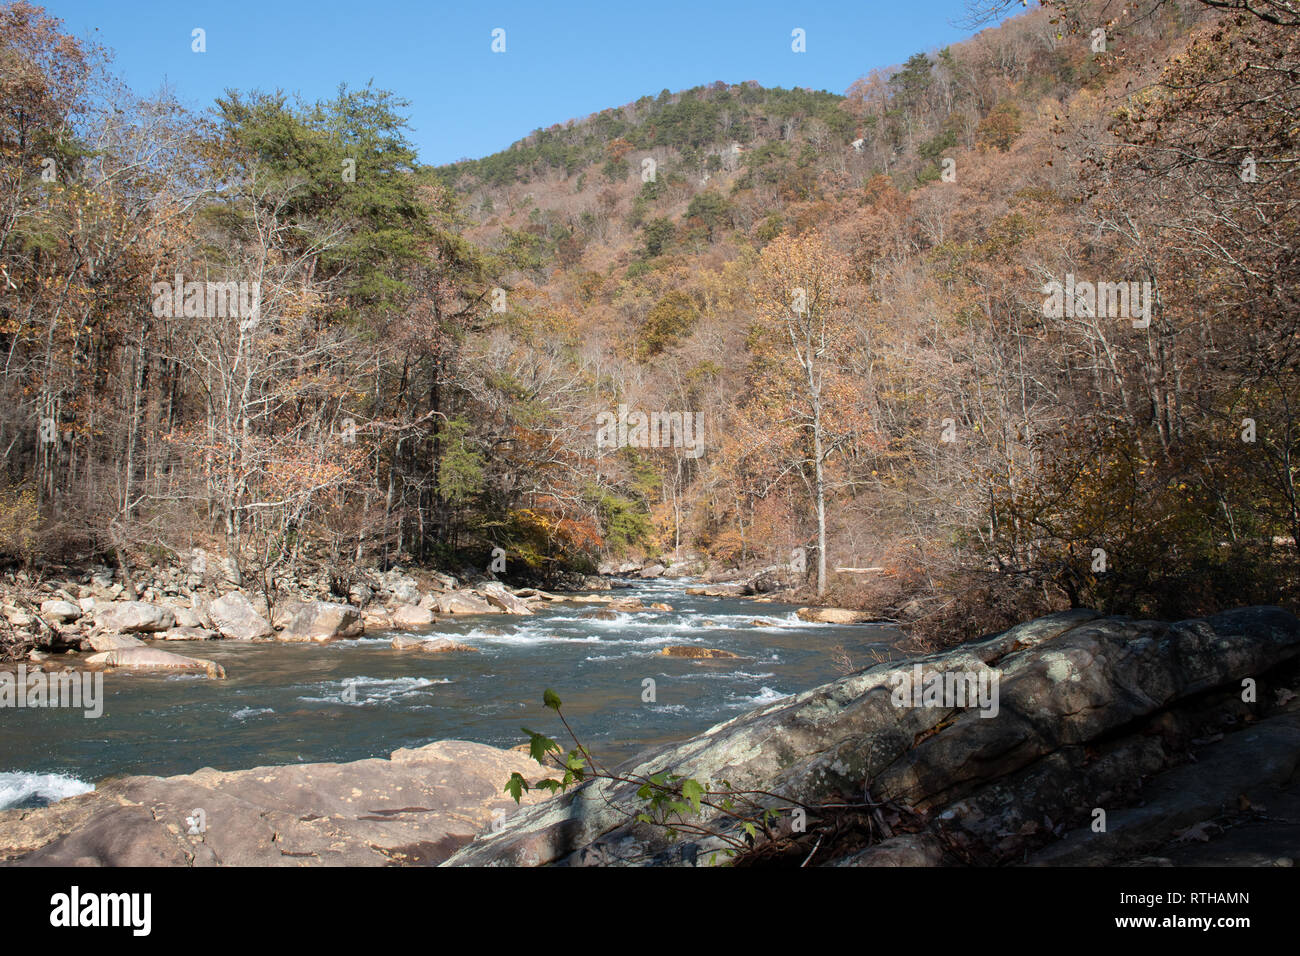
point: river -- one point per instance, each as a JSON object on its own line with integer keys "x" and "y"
{"x": 348, "y": 700}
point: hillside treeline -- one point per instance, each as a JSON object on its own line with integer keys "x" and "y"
{"x": 1012, "y": 324}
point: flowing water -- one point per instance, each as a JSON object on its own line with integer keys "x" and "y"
{"x": 291, "y": 703}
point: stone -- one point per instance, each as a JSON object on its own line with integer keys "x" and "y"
{"x": 321, "y": 621}
{"x": 189, "y": 634}
{"x": 408, "y": 617}
{"x": 414, "y": 808}
{"x": 653, "y": 571}
{"x": 61, "y": 612}
{"x": 498, "y": 596}
{"x": 696, "y": 653}
{"x": 134, "y": 617}
{"x": 152, "y": 659}
{"x": 834, "y": 615}
{"x": 437, "y": 645}
{"x": 112, "y": 642}
{"x": 188, "y": 617}
{"x": 718, "y": 590}
{"x": 234, "y": 617}
{"x": 1086, "y": 711}
{"x": 464, "y": 602}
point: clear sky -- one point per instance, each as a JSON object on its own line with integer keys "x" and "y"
{"x": 561, "y": 61}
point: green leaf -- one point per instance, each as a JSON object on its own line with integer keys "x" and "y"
{"x": 548, "y": 784}
{"x": 539, "y": 745}
{"x": 692, "y": 791}
{"x": 550, "y": 699}
{"x": 516, "y": 785}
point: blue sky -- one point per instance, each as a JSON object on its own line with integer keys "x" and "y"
{"x": 560, "y": 63}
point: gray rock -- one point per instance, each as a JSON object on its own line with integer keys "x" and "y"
{"x": 59, "y": 611}
{"x": 322, "y": 621}
{"x": 499, "y": 597}
{"x": 112, "y": 642}
{"x": 1086, "y": 707}
{"x": 406, "y": 617}
{"x": 464, "y": 602}
{"x": 134, "y": 617}
{"x": 234, "y": 616}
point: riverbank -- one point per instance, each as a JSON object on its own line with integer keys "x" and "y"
{"x": 1104, "y": 741}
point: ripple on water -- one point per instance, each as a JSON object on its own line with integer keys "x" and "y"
{"x": 27, "y": 790}
{"x": 368, "y": 691}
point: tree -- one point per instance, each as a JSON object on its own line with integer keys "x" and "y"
{"x": 801, "y": 300}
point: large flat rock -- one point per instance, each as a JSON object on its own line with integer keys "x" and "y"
{"x": 1087, "y": 708}
{"x": 416, "y": 807}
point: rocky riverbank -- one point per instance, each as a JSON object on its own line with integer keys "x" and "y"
{"x": 100, "y": 619}
{"x": 1105, "y": 740}
{"x": 1080, "y": 739}
{"x": 121, "y": 624}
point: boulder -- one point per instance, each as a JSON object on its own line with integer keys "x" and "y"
{"x": 653, "y": 571}
{"x": 413, "y": 808}
{"x": 61, "y": 612}
{"x": 134, "y": 617}
{"x": 498, "y": 596}
{"x": 188, "y": 618}
{"x": 112, "y": 642}
{"x": 322, "y": 621}
{"x": 437, "y": 645}
{"x": 442, "y": 582}
{"x": 189, "y": 634}
{"x": 985, "y": 753}
{"x": 401, "y": 589}
{"x": 464, "y": 602}
{"x": 376, "y": 618}
{"x": 718, "y": 590}
{"x": 234, "y": 617}
{"x": 408, "y": 617}
{"x": 835, "y": 615}
{"x": 152, "y": 659}
{"x": 773, "y": 578}
{"x": 696, "y": 653}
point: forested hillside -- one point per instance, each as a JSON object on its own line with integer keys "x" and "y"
{"x": 851, "y": 296}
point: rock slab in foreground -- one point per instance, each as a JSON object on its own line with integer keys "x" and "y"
{"x": 1088, "y": 710}
{"x": 415, "y": 808}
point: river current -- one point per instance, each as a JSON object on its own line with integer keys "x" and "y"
{"x": 348, "y": 700}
